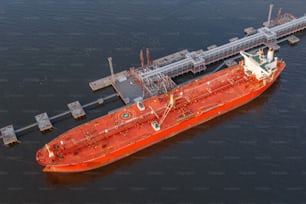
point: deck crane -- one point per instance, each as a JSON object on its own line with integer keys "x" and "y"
{"x": 167, "y": 110}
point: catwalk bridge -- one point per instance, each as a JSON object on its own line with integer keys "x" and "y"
{"x": 196, "y": 61}
{"x": 264, "y": 36}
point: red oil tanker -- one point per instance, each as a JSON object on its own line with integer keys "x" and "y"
{"x": 144, "y": 123}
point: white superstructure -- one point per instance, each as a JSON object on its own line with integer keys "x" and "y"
{"x": 259, "y": 65}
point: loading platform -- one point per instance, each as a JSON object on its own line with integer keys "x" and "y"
{"x": 250, "y": 30}
{"x": 8, "y": 135}
{"x": 292, "y": 39}
{"x": 107, "y": 81}
{"x": 128, "y": 90}
{"x": 76, "y": 110}
{"x": 43, "y": 122}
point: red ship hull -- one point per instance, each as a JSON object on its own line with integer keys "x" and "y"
{"x": 197, "y": 102}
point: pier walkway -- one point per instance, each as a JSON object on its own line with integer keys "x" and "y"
{"x": 44, "y": 123}
{"x": 107, "y": 81}
{"x": 261, "y": 37}
{"x": 156, "y": 77}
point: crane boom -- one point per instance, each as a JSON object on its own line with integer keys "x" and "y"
{"x": 168, "y": 109}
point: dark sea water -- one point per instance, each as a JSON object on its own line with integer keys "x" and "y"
{"x": 51, "y": 49}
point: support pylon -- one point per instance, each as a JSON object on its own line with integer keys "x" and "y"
{"x": 148, "y": 56}
{"x": 111, "y": 68}
{"x": 141, "y": 58}
{"x": 269, "y": 16}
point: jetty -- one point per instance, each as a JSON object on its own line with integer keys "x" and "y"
{"x": 155, "y": 77}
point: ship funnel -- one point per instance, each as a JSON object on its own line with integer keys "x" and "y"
{"x": 270, "y": 55}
